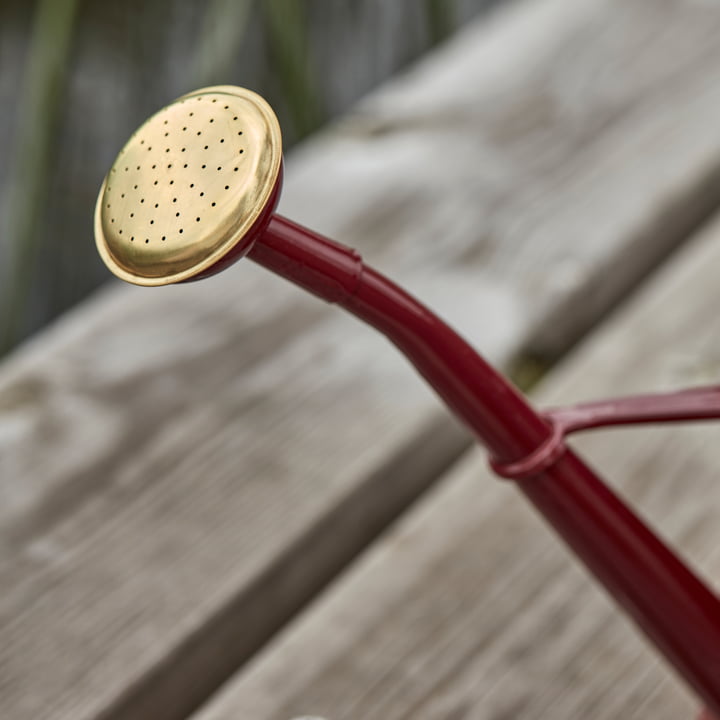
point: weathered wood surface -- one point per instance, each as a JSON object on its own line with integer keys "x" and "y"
{"x": 183, "y": 468}
{"x": 469, "y": 608}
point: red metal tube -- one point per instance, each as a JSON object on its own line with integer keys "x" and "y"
{"x": 671, "y": 604}
{"x": 699, "y": 403}
{"x": 666, "y": 599}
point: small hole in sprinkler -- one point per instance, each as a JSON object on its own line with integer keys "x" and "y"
{"x": 206, "y": 147}
{"x": 147, "y": 240}
{"x": 152, "y": 222}
{"x": 185, "y": 165}
{"x": 227, "y": 187}
{"x": 184, "y": 129}
{"x": 142, "y": 142}
{"x": 132, "y": 239}
{"x": 170, "y": 165}
{"x": 126, "y": 169}
{"x": 212, "y": 119}
{"x": 155, "y": 183}
{"x": 156, "y": 205}
{"x": 235, "y": 118}
{"x": 199, "y": 132}
{"x": 138, "y": 167}
{"x": 154, "y": 166}
{"x": 172, "y": 182}
{"x": 122, "y": 195}
{"x": 183, "y": 150}
{"x": 197, "y": 219}
{"x": 163, "y": 238}
{"x": 149, "y": 148}
{"x": 227, "y": 106}
{"x": 240, "y": 151}
{"x": 201, "y": 194}
{"x": 219, "y": 168}
{"x": 174, "y": 199}
{"x": 132, "y": 214}
{"x": 120, "y": 231}
{"x": 134, "y": 187}
{"x": 166, "y": 134}
{"x": 167, "y": 149}
{"x": 112, "y": 220}
{"x": 181, "y": 231}
{"x": 214, "y": 204}
{"x": 235, "y": 169}
{"x": 177, "y": 214}
{"x": 192, "y": 185}
{"x": 165, "y": 122}
{"x": 142, "y": 200}
{"x": 204, "y": 166}
{"x": 191, "y": 114}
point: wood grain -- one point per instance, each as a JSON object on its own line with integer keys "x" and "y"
{"x": 183, "y": 469}
{"x": 469, "y": 607}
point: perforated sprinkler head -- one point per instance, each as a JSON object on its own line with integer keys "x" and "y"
{"x": 192, "y": 189}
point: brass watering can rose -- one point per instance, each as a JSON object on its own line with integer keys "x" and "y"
{"x": 191, "y": 187}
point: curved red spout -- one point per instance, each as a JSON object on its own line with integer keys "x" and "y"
{"x": 664, "y": 597}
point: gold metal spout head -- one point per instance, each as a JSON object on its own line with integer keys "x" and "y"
{"x": 190, "y": 188}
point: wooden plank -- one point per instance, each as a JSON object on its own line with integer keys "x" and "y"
{"x": 468, "y": 607}
{"x": 182, "y": 469}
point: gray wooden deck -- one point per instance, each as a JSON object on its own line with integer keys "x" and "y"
{"x": 231, "y": 484}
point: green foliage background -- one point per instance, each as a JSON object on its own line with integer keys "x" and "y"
{"x": 78, "y": 76}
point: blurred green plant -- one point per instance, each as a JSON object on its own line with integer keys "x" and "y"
{"x": 440, "y": 19}
{"x": 286, "y": 29}
{"x": 38, "y": 113}
{"x": 222, "y": 33}
{"x": 285, "y": 32}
